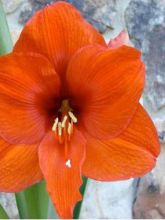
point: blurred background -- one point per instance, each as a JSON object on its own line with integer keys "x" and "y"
{"x": 145, "y": 21}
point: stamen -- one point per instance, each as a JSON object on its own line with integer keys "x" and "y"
{"x": 68, "y": 163}
{"x": 69, "y": 128}
{"x": 64, "y": 121}
{"x": 59, "y": 129}
{"x": 54, "y": 127}
{"x": 66, "y": 147}
{"x": 73, "y": 117}
{"x": 63, "y": 127}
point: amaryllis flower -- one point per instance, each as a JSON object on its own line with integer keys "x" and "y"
{"x": 69, "y": 106}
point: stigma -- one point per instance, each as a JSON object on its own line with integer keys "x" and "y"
{"x": 68, "y": 163}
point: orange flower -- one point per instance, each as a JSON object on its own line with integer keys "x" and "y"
{"x": 70, "y": 107}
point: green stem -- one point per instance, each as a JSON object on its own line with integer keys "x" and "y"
{"x": 3, "y": 214}
{"x": 29, "y": 204}
{"x": 77, "y": 209}
{"x": 6, "y": 44}
{"x": 34, "y": 203}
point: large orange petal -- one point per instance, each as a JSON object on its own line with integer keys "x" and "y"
{"x": 106, "y": 85}
{"x": 63, "y": 183}
{"x": 132, "y": 154}
{"x": 142, "y": 132}
{"x": 28, "y": 87}
{"x": 19, "y": 167}
{"x": 57, "y": 31}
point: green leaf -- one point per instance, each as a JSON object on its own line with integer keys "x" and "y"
{"x": 77, "y": 208}
{"x": 34, "y": 202}
{"x": 3, "y": 214}
{"x": 6, "y": 44}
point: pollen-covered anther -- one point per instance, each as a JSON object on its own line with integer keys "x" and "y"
{"x": 64, "y": 129}
{"x": 73, "y": 117}
{"x": 54, "y": 127}
{"x": 60, "y": 129}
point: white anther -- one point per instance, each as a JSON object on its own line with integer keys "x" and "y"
{"x": 59, "y": 129}
{"x": 73, "y": 117}
{"x": 54, "y": 127}
{"x": 64, "y": 121}
{"x": 69, "y": 128}
{"x": 68, "y": 163}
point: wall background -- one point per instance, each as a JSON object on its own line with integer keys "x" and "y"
{"x": 145, "y": 22}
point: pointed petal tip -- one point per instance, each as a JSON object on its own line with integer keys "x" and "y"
{"x": 121, "y": 39}
{"x": 132, "y": 154}
{"x": 68, "y": 214}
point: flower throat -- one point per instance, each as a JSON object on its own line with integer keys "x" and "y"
{"x": 63, "y": 127}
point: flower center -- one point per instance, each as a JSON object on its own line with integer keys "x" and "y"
{"x": 63, "y": 127}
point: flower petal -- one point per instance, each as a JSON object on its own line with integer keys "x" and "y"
{"x": 57, "y": 31}
{"x": 106, "y": 86}
{"x": 28, "y": 87}
{"x": 19, "y": 167}
{"x": 132, "y": 154}
{"x": 142, "y": 132}
{"x": 121, "y": 39}
{"x": 63, "y": 182}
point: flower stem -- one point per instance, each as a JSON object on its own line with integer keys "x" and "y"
{"x": 3, "y": 214}
{"x": 77, "y": 209}
{"x": 33, "y": 203}
{"x": 5, "y": 38}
